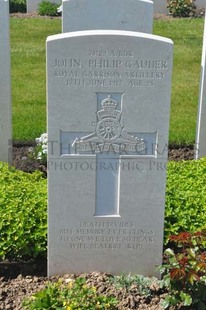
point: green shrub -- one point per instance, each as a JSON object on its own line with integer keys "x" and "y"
{"x": 185, "y": 197}
{"x": 76, "y": 294}
{"x": 23, "y": 222}
{"x": 17, "y": 6}
{"x": 182, "y": 8}
{"x": 184, "y": 270}
{"x": 48, "y": 8}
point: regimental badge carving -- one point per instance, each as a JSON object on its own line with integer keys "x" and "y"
{"x": 110, "y": 134}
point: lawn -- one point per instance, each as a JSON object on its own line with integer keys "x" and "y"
{"x": 28, "y": 38}
{"x": 28, "y": 56}
{"x": 187, "y": 35}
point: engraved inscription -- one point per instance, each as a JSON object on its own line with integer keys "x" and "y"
{"x": 106, "y": 235}
{"x": 67, "y": 63}
{"x": 112, "y": 53}
{"x": 110, "y": 68}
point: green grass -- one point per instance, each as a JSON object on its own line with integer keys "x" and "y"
{"x": 187, "y": 36}
{"x": 28, "y": 38}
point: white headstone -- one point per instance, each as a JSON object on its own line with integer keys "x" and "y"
{"x": 200, "y": 145}
{"x": 132, "y": 15}
{"x": 5, "y": 82}
{"x": 33, "y": 5}
{"x": 160, "y": 7}
{"x": 200, "y": 3}
{"x": 108, "y": 119}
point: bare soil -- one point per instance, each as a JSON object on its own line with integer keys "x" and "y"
{"x": 32, "y": 15}
{"x": 13, "y": 290}
{"x": 20, "y": 280}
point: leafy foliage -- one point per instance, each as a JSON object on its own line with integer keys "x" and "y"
{"x": 23, "y": 223}
{"x": 76, "y": 294}
{"x": 144, "y": 284}
{"x": 185, "y": 270}
{"x": 48, "y": 8}
{"x": 17, "y": 6}
{"x": 182, "y": 8}
{"x": 185, "y": 197}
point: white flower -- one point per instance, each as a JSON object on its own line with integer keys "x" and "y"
{"x": 41, "y": 147}
{"x": 44, "y": 146}
{"x": 31, "y": 149}
{"x": 39, "y": 155}
{"x": 44, "y": 136}
{"x": 59, "y": 9}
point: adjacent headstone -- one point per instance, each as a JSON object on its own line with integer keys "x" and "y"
{"x": 32, "y": 5}
{"x": 5, "y": 83}
{"x": 132, "y": 15}
{"x": 200, "y": 4}
{"x": 160, "y": 7}
{"x": 200, "y": 145}
{"x": 108, "y": 118}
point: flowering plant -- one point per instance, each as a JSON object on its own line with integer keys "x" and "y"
{"x": 181, "y": 8}
{"x": 40, "y": 150}
{"x": 59, "y": 9}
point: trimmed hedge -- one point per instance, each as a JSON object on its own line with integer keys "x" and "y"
{"x": 23, "y": 220}
{"x": 16, "y": 6}
{"x": 185, "y": 196}
{"x": 48, "y": 8}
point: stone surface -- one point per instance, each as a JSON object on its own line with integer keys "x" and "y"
{"x": 200, "y": 149}
{"x": 200, "y": 3}
{"x": 32, "y": 5}
{"x": 132, "y": 15}
{"x": 108, "y": 119}
{"x": 5, "y": 83}
{"x": 160, "y": 6}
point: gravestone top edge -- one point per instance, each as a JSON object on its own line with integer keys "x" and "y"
{"x": 122, "y": 33}
{"x": 204, "y": 44}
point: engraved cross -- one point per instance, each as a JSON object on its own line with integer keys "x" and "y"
{"x": 110, "y": 142}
